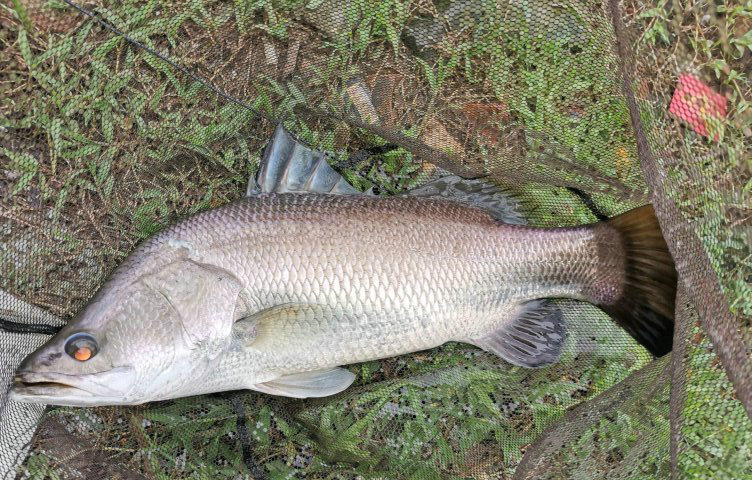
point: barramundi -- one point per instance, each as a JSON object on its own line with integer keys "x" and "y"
{"x": 276, "y": 292}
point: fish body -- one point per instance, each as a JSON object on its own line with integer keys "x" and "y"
{"x": 277, "y": 291}
{"x": 375, "y": 277}
{"x": 279, "y": 287}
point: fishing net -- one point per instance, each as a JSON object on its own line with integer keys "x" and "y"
{"x": 117, "y": 118}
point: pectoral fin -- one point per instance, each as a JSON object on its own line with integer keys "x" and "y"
{"x": 320, "y": 383}
{"x": 534, "y": 339}
{"x": 282, "y": 323}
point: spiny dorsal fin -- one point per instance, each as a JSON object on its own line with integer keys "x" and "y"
{"x": 288, "y": 165}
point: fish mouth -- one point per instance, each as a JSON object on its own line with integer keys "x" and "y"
{"x": 102, "y": 388}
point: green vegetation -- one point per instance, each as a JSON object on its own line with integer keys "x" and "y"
{"x": 717, "y": 431}
{"x": 711, "y": 182}
{"x": 109, "y": 144}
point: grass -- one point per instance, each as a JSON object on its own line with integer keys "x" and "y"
{"x": 109, "y": 144}
{"x": 711, "y": 183}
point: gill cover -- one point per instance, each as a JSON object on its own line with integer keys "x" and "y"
{"x": 204, "y": 297}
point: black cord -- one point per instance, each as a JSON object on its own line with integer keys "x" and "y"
{"x": 244, "y": 437}
{"x": 138, "y": 44}
{"x": 20, "y": 327}
{"x": 588, "y": 201}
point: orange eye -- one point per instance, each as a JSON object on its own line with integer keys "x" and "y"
{"x": 82, "y": 354}
{"x": 81, "y": 346}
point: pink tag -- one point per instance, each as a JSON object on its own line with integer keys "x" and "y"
{"x": 698, "y": 105}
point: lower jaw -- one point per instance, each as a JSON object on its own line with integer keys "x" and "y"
{"x": 66, "y": 396}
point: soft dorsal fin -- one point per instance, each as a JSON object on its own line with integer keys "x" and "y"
{"x": 288, "y": 165}
{"x": 535, "y": 337}
{"x": 500, "y": 204}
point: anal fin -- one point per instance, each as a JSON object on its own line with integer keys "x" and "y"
{"x": 533, "y": 339}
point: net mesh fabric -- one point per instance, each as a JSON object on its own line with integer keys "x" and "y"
{"x": 121, "y": 117}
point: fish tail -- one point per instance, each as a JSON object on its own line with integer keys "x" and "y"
{"x": 645, "y": 305}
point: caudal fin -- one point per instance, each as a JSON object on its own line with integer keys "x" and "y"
{"x": 645, "y": 308}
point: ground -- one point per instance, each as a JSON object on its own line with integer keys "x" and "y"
{"x": 105, "y": 143}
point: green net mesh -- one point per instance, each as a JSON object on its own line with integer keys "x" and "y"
{"x": 118, "y": 118}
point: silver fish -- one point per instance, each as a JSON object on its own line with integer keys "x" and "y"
{"x": 276, "y": 292}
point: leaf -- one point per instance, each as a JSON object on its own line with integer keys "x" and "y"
{"x": 23, "y": 16}
{"x": 23, "y": 46}
{"x": 428, "y": 71}
{"x": 81, "y": 36}
{"x": 84, "y": 151}
{"x": 108, "y": 186}
{"x": 61, "y": 50}
{"x": 159, "y": 65}
{"x": 103, "y": 170}
{"x": 142, "y": 14}
{"x": 117, "y": 83}
{"x": 108, "y": 128}
{"x": 297, "y": 94}
{"x": 21, "y": 162}
{"x": 112, "y": 17}
{"x": 651, "y": 13}
{"x": 393, "y": 37}
{"x": 22, "y": 183}
{"x": 47, "y": 82}
{"x": 101, "y": 68}
{"x": 283, "y": 426}
{"x": 260, "y": 430}
{"x": 55, "y": 131}
{"x": 103, "y": 49}
{"x": 166, "y": 418}
{"x": 156, "y": 97}
{"x": 744, "y": 41}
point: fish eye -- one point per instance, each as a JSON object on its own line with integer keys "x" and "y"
{"x": 81, "y": 346}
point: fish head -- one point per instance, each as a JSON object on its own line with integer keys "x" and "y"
{"x": 112, "y": 353}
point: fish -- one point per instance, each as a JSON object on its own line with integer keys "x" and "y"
{"x": 277, "y": 292}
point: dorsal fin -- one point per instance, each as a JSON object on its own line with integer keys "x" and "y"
{"x": 288, "y": 165}
{"x": 502, "y": 206}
